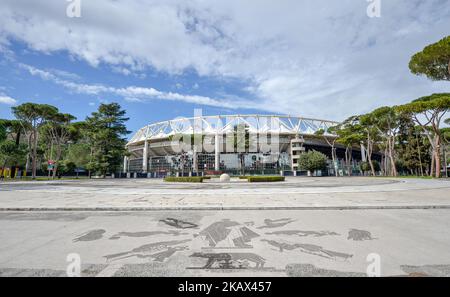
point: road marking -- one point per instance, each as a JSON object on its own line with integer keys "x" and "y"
{"x": 110, "y": 270}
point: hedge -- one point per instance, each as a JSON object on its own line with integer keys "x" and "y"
{"x": 260, "y": 179}
{"x": 193, "y": 179}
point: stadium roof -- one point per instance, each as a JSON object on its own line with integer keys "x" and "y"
{"x": 225, "y": 124}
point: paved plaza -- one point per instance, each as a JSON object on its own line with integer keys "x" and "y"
{"x": 226, "y": 243}
{"x": 295, "y": 193}
{"x": 302, "y": 227}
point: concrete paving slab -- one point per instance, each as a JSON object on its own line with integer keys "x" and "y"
{"x": 226, "y": 243}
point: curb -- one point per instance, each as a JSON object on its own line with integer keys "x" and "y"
{"x": 219, "y": 208}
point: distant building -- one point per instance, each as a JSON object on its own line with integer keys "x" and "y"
{"x": 250, "y": 144}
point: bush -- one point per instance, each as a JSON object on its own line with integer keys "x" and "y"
{"x": 261, "y": 179}
{"x": 193, "y": 179}
{"x": 312, "y": 160}
{"x": 243, "y": 177}
{"x": 68, "y": 167}
{"x": 365, "y": 166}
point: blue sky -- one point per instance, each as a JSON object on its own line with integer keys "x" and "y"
{"x": 162, "y": 59}
{"x": 17, "y": 82}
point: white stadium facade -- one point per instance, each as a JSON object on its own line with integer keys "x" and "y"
{"x": 235, "y": 144}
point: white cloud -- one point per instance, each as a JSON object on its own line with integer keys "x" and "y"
{"x": 131, "y": 93}
{"x": 7, "y": 100}
{"x": 314, "y": 58}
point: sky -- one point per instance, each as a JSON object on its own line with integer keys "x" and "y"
{"x": 161, "y": 59}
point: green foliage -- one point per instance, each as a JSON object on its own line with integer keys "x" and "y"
{"x": 3, "y": 131}
{"x": 57, "y": 132}
{"x": 68, "y": 167}
{"x": 365, "y": 166}
{"x": 434, "y": 104}
{"x": 433, "y": 61}
{"x": 445, "y": 132}
{"x": 32, "y": 116}
{"x": 312, "y": 160}
{"x": 265, "y": 179}
{"x": 412, "y": 147}
{"x": 106, "y": 133}
{"x": 427, "y": 112}
{"x": 97, "y": 144}
{"x": 386, "y": 119}
{"x": 12, "y": 154}
{"x": 79, "y": 154}
{"x": 349, "y": 132}
{"x": 193, "y": 179}
{"x": 13, "y": 129}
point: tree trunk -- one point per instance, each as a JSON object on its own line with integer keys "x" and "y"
{"x": 393, "y": 167}
{"x": 391, "y": 157}
{"x": 29, "y": 146}
{"x": 369, "y": 155}
{"x": 369, "y": 158}
{"x": 34, "y": 155}
{"x": 371, "y": 167}
{"x": 445, "y": 161}
{"x": 13, "y": 168}
{"x": 386, "y": 163}
{"x": 420, "y": 157}
{"x": 432, "y": 164}
{"x": 333, "y": 156}
{"x": 348, "y": 157}
{"x": 437, "y": 156}
{"x": 58, "y": 157}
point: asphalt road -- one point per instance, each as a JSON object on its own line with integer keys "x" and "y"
{"x": 226, "y": 243}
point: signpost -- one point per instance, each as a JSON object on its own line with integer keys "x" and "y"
{"x": 50, "y": 167}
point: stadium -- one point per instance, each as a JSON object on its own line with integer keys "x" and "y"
{"x": 234, "y": 144}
